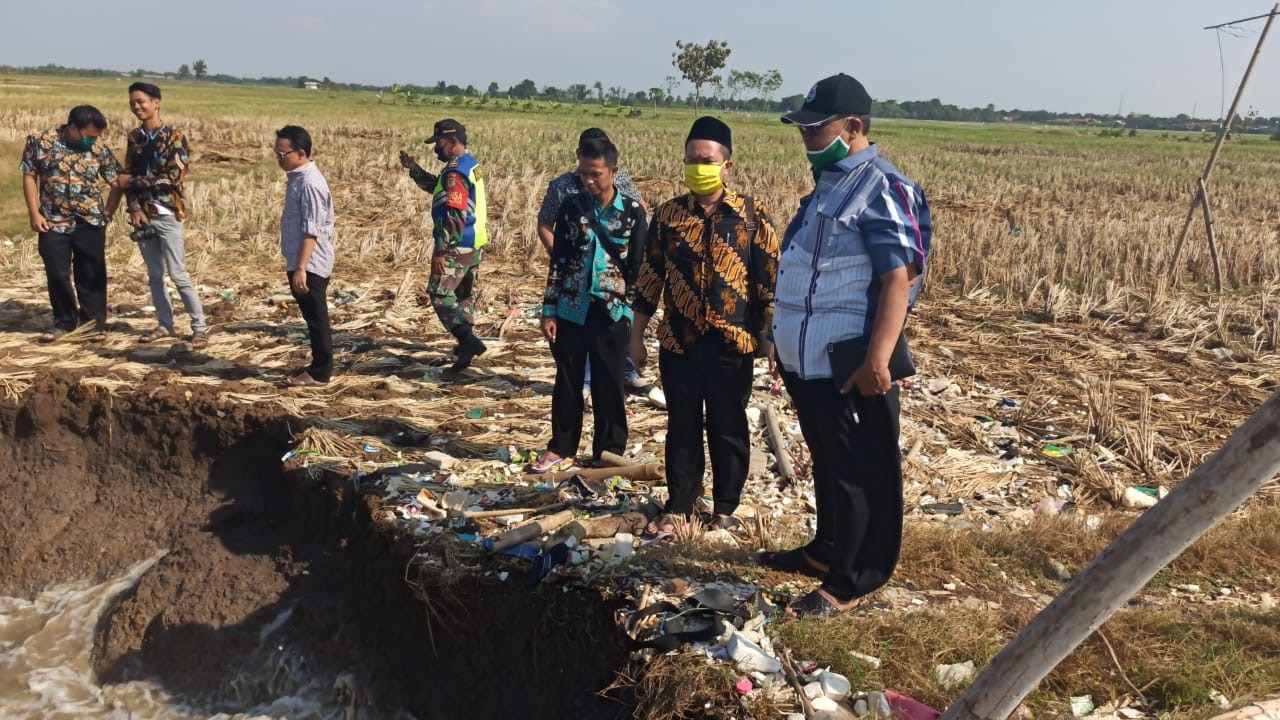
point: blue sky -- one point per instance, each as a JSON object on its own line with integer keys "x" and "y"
{"x": 1064, "y": 56}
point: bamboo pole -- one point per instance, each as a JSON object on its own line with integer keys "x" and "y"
{"x": 647, "y": 471}
{"x": 1208, "y": 231}
{"x": 1201, "y": 194}
{"x": 785, "y": 467}
{"x": 1249, "y": 459}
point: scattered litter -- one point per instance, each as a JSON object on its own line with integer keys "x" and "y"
{"x": 1081, "y": 705}
{"x": 871, "y": 659}
{"x": 955, "y": 676}
{"x": 1139, "y": 497}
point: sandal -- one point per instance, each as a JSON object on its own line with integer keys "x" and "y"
{"x": 303, "y": 379}
{"x": 100, "y": 336}
{"x": 820, "y": 604}
{"x": 200, "y": 341}
{"x": 46, "y": 338}
{"x": 546, "y": 462}
{"x": 792, "y": 561}
{"x": 725, "y": 522}
{"x": 158, "y": 334}
{"x": 669, "y": 524}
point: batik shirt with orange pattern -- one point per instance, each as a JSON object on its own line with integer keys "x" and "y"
{"x": 711, "y": 274}
{"x": 69, "y": 179}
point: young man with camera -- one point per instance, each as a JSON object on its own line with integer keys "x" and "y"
{"x": 156, "y": 163}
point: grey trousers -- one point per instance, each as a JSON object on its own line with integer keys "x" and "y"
{"x": 168, "y": 249}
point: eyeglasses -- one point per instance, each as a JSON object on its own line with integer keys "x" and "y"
{"x": 283, "y": 155}
{"x": 813, "y": 130}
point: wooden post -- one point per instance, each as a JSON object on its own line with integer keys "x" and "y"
{"x": 1202, "y": 196}
{"x": 1249, "y": 459}
{"x": 785, "y": 467}
{"x": 647, "y": 471}
{"x": 1208, "y": 231}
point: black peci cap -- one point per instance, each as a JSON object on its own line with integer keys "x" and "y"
{"x": 709, "y": 128}
{"x": 835, "y": 96}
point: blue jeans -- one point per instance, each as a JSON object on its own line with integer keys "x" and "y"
{"x": 629, "y": 373}
{"x": 167, "y": 250}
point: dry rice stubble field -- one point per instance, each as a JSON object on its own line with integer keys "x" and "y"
{"x": 1048, "y": 285}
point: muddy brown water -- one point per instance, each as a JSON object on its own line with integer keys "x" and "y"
{"x": 158, "y": 562}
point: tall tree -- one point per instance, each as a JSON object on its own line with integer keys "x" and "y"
{"x": 201, "y": 69}
{"x": 599, "y": 88}
{"x": 656, "y": 95}
{"x": 578, "y": 92}
{"x": 770, "y": 83}
{"x": 184, "y": 71}
{"x": 699, "y": 63}
{"x": 493, "y": 89}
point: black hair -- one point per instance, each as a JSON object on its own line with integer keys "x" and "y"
{"x": 82, "y": 116}
{"x": 599, "y": 149}
{"x": 143, "y": 87}
{"x": 298, "y": 138}
{"x": 592, "y": 134}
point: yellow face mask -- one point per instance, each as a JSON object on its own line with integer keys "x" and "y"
{"x": 703, "y": 179}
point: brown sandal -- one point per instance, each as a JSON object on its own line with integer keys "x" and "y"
{"x": 158, "y": 334}
{"x": 200, "y": 340}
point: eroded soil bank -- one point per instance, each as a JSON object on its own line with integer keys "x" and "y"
{"x": 273, "y": 578}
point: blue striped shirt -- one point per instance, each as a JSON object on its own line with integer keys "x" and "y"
{"x": 864, "y": 219}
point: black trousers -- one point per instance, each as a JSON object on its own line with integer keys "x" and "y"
{"x": 82, "y": 254}
{"x": 857, "y": 478}
{"x": 604, "y": 343}
{"x": 712, "y": 382}
{"x": 314, "y": 304}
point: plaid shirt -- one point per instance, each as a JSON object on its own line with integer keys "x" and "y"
{"x": 713, "y": 274}
{"x": 69, "y": 179}
{"x": 157, "y": 165}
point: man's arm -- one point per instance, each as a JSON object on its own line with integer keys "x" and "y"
{"x": 763, "y": 275}
{"x": 650, "y": 280}
{"x": 547, "y": 215}
{"x": 31, "y": 193}
{"x": 895, "y": 242}
{"x": 299, "y": 279}
{"x": 424, "y": 180}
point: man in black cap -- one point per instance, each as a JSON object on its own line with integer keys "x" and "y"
{"x": 711, "y": 259}
{"x": 851, "y": 261}
{"x": 459, "y": 217}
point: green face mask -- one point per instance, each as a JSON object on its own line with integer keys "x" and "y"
{"x": 828, "y": 156}
{"x": 84, "y": 143}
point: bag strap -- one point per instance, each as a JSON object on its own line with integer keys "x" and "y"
{"x": 604, "y": 237}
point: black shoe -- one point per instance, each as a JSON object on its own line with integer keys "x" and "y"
{"x": 468, "y": 350}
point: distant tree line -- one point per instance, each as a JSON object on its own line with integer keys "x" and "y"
{"x": 741, "y": 90}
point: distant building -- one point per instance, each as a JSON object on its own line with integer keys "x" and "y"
{"x": 311, "y": 85}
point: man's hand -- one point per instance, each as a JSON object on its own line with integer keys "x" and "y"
{"x": 549, "y": 329}
{"x": 39, "y": 223}
{"x": 639, "y": 353}
{"x": 122, "y": 182}
{"x": 407, "y": 161}
{"x": 870, "y": 379}
{"x": 299, "y": 283}
{"x": 137, "y": 218}
{"x": 437, "y": 265}
{"x": 766, "y": 349}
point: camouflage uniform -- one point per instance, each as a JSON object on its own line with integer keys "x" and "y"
{"x": 451, "y": 292}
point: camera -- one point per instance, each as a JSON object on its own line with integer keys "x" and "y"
{"x": 146, "y": 232}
